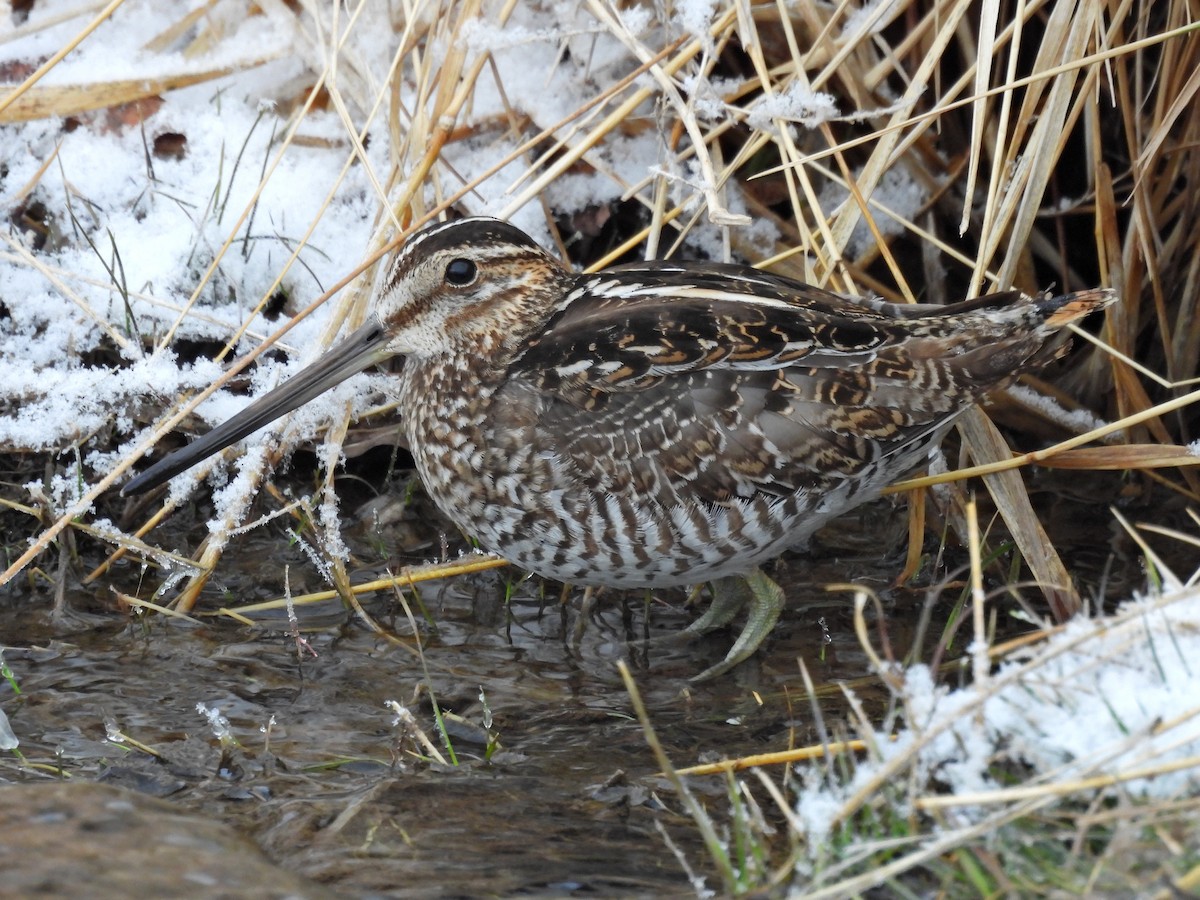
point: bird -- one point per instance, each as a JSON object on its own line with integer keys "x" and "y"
{"x": 657, "y": 423}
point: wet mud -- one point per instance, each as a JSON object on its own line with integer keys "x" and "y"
{"x": 316, "y": 781}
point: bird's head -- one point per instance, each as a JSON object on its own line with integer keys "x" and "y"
{"x": 472, "y": 285}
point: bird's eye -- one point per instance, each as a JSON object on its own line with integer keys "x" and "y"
{"x": 460, "y": 271}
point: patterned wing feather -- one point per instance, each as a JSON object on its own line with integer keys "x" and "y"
{"x": 718, "y": 382}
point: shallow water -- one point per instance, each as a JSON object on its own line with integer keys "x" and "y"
{"x": 569, "y": 803}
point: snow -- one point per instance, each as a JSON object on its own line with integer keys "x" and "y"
{"x": 77, "y": 403}
{"x": 130, "y": 236}
{"x": 897, "y": 199}
{"x": 881, "y": 11}
{"x": 1105, "y": 696}
{"x": 1079, "y": 421}
{"x": 117, "y": 50}
{"x": 796, "y": 104}
{"x": 695, "y": 17}
{"x": 152, "y": 227}
{"x": 1111, "y": 682}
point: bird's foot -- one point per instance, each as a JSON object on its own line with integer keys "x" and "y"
{"x": 763, "y": 601}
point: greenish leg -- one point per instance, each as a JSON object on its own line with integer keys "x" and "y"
{"x": 763, "y": 600}
{"x": 729, "y": 596}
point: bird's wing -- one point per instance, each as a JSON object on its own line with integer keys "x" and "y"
{"x": 718, "y": 382}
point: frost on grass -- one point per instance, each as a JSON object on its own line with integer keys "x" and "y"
{"x": 1089, "y": 700}
{"x": 231, "y": 501}
{"x": 706, "y": 94}
{"x": 1097, "y": 705}
{"x": 128, "y": 235}
{"x": 1077, "y": 420}
{"x": 878, "y": 13}
{"x": 1109, "y": 696}
{"x": 897, "y": 199}
{"x": 547, "y": 74}
{"x": 797, "y": 103}
{"x": 695, "y": 17}
{"x": 220, "y": 726}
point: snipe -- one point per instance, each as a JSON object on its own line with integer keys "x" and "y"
{"x": 658, "y": 423}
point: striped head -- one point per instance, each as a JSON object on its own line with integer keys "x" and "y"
{"x": 469, "y": 285}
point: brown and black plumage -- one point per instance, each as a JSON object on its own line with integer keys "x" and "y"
{"x": 659, "y": 423}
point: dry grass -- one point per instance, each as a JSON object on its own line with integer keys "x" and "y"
{"x": 1046, "y": 143}
{"x": 1059, "y": 144}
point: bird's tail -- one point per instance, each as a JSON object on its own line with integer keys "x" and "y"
{"x": 1059, "y": 311}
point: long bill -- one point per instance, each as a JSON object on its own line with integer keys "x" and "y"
{"x": 363, "y": 348}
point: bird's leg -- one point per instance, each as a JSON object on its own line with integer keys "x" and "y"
{"x": 729, "y": 596}
{"x": 763, "y": 600}
{"x": 587, "y": 607}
